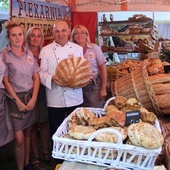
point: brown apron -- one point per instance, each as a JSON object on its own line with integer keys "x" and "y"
{"x": 14, "y": 111}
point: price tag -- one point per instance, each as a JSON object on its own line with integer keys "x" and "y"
{"x": 167, "y": 69}
{"x": 132, "y": 117}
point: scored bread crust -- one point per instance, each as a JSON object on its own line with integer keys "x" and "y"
{"x": 74, "y": 72}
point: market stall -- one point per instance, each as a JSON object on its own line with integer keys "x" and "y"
{"x": 139, "y": 84}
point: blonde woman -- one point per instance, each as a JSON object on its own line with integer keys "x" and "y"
{"x": 34, "y": 42}
{"x": 95, "y": 92}
{"x": 21, "y": 81}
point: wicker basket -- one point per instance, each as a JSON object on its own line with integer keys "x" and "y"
{"x": 164, "y": 157}
{"x": 102, "y": 153}
{"x": 136, "y": 84}
{"x": 120, "y": 74}
{"x": 111, "y": 71}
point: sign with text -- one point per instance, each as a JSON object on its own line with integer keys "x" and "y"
{"x": 29, "y": 13}
{"x": 121, "y": 5}
{"x": 132, "y": 117}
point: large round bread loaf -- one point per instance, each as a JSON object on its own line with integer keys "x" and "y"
{"x": 74, "y": 72}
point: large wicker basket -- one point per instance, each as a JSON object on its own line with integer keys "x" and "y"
{"x": 136, "y": 84}
{"x": 115, "y": 155}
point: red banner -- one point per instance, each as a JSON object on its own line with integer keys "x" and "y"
{"x": 88, "y": 19}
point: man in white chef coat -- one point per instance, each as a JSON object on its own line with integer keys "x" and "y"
{"x": 61, "y": 101}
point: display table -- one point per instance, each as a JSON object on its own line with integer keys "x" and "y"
{"x": 80, "y": 166}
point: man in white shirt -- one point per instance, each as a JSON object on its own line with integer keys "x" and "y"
{"x": 61, "y": 101}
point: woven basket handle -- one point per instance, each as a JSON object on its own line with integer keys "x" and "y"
{"x": 118, "y": 134}
{"x": 108, "y": 101}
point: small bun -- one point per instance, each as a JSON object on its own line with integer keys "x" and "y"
{"x": 120, "y": 101}
{"x": 155, "y": 61}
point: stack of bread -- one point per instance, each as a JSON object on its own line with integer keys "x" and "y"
{"x": 126, "y": 67}
{"x": 155, "y": 82}
{"x": 83, "y": 123}
{"x": 160, "y": 83}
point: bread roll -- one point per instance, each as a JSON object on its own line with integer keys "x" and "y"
{"x": 149, "y": 117}
{"x": 146, "y": 135}
{"x": 120, "y": 101}
{"x": 111, "y": 137}
{"x": 164, "y": 63}
{"x": 155, "y": 61}
{"x": 85, "y": 115}
{"x": 160, "y": 78}
{"x": 165, "y": 111}
{"x": 74, "y": 72}
{"x": 161, "y": 88}
{"x": 163, "y": 101}
{"x": 73, "y": 120}
{"x": 80, "y": 132}
{"x": 99, "y": 122}
{"x": 116, "y": 118}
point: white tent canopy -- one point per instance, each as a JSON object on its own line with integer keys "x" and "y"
{"x": 160, "y": 18}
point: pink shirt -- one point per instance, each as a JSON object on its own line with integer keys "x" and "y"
{"x": 96, "y": 57}
{"x": 20, "y": 70}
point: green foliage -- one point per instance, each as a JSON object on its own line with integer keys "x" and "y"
{"x": 4, "y": 4}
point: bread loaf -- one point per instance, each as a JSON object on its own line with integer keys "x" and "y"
{"x": 116, "y": 118}
{"x": 85, "y": 115}
{"x": 160, "y": 78}
{"x": 146, "y": 135}
{"x": 163, "y": 101}
{"x": 165, "y": 111}
{"x": 111, "y": 137}
{"x": 74, "y": 72}
{"x": 161, "y": 88}
{"x": 99, "y": 122}
{"x": 80, "y": 132}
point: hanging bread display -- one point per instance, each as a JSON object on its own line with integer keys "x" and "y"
{"x": 74, "y": 72}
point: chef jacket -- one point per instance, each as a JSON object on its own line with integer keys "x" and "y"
{"x": 50, "y": 56}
